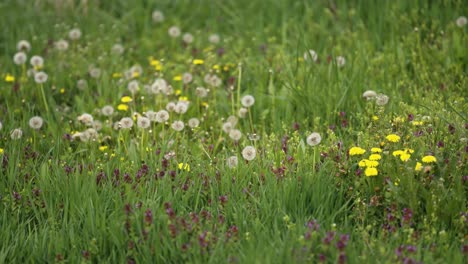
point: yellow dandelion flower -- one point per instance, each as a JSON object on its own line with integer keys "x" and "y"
{"x": 135, "y": 74}
{"x": 183, "y": 98}
{"x": 178, "y": 92}
{"x": 198, "y": 61}
{"x": 372, "y": 163}
{"x": 226, "y": 68}
{"x": 375, "y": 118}
{"x": 397, "y": 182}
{"x": 1, "y": 151}
{"x": 158, "y": 67}
{"x": 417, "y": 123}
{"x": 405, "y": 157}
{"x": 62, "y": 91}
{"x": 429, "y": 159}
{"x": 393, "y": 138}
{"x": 408, "y": 150}
{"x": 184, "y": 166}
{"x": 205, "y": 104}
{"x": 375, "y": 157}
{"x": 122, "y": 107}
{"x": 154, "y": 62}
{"x": 376, "y": 150}
{"x": 102, "y": 148}
{"x": 418, "y": 166}
{"x": 126, "y": 99}
{"x": 398, "y": 119}
{"x": 363, "y": 163}
{"x": 9, "y": 78}
{"x": 116, "y": 75}
{"x": 370, "y": 171}
{"x": 216, "y": 67}
{"x": 356, "y": 151}
{"x": 177, "y": 78}
{"x": 397, "y": 153}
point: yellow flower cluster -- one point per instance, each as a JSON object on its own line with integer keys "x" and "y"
{"x": 393, "y": 138}
{"x": 429, "y": 159}
{"x": 356, "y": 151}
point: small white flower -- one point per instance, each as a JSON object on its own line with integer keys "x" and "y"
{"x": 126, "y": 122}
{"x": 381, "y": 99}
{"x": 107, "y": 110}
{"x": 157, "y": 16}
{"x": 16, "y": 134}
{"x": 23, "y": 45}
{"x": 369, "y": 95}
{"x": 40, "y": 77}
{"x": 143, "y": 122}
{"x": 235, "y": 134}
{"x": 247, "y": 101}
{"x": 178, "y": 125}
{"x": 340, "y": 61}
{"x": 20, "y": 58}
{"x": 187, "y": 38}
{"x": 37, "y": 61}
{"x": 461, "y": 21}
{"x": 162, "y": 116}
{"x": 74, "y": 34}
{"x": 193, "y": 122}
{"x": 36, "y": 122}
{"x": 249, "y": 153}
{"x": 314, "y": 139}
{"x": 311, "y": 54}
{"x": 61, "y": 45}
{"x": 174, "y": 31}
{"x": 214, "y": 38}
{"x": 232, "y": 162}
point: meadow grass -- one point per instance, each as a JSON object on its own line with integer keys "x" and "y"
{"x": 109, "y": 178}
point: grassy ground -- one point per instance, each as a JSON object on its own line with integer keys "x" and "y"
{"x": 386, "y": 181}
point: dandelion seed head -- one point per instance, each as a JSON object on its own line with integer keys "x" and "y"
{"x": 85, "y": 118}
{"x": 174, "y": 31}
{"x": 381, "y": 99}
{"x": 232, "y": 162}
{"x": 311, "y": 54}
{"x": 178, "y": 125}
{"x": 40, "y": 77}
{"x": 117, "y": 49}
{"x": 157, "y": 16}
{"x": 235, "y": 134}
{"x": 248, "y": 101}
{"x": 340, "y": 61}
{"x": 314, "y": 139}
{"x": 20, "y": 58}
{"x": 243, "y": 112}
{"x": 249, "y": 153}
{"x": 23, "y": 45}
{"x": 162, "y": 116}
{"x": 133, "y": 86}
{"x": 193, "y": 122}
{"x": 74, "y": 34}
{"x": 143, "y": 122}
{"x": 61, "y": 45}
{"x": 369, "y": 95}
{"x": 107, "y": 110}
{"x": 82, "y": 84}
{"x": 16, "y": 134}
{"x": 187, "y": 77}
{"x": 36, "y": 122}
{"x": 37, "y": 61}
{"x": 461, "y": 21}
{"x": 187, "y": 38}
{"x": 126, "y": 123}
{"x": 170, "y": 106}
{"x": 214, "y": 38}
{"x": 227, "y": 126}
{"x": 201, "y": 92}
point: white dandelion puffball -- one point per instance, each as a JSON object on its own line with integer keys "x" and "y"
{"x": 247, "y": 101}
{"x": 193, "y": 122}
{"x": 159, "y": 86}
{"x": 243, "y": 112}
{"x": 187, "y": 77}
{"x": 461, "y": 21}
{"x": 369, "y": 95}
{"x": 16, "y": 134}
{"x": 133, "y": 86}
{"x": 157, "y": 16}
{"x": 117, "y": 49}
{"x": 20, "y": 58}
{"x": 86, "y": 119}
{"x": 74, "y": 34}
{"x": 107, "y": 110}
{"x": 126, "y": 122}
{"x": 170, "y": 106}
{"x": 314, "y": 139}
{"x": 340, "y": 61}
{"x": 151, "y": 115}
{"x": 235, "y": 134}
{"x": 181, "y": 107}
{"x": 82, "y": 84}
{"x": 187, "y": 38}
{"x": 381, "y": 99}
{"x": 311, "y": 54}
{"x": 40, "y": 77}
{"x": 232, "y": 162}
{"x": 36, "y": 61}
{"x": 174, "y": 31}
{"x": 94, "y": 72}
{"x": 201, "y": 92}
{"x": 61, "y": 45}
{"x": 143, "y": 122}
{"x": 178, "y": 125}
{"x": 214, "y": 38}
{"x": 36, "y": 122}
{"x": 162, "y": 116}
{"x": 23, "y": 45}
{"x": 227, "y": 127}
{"x": 233, "y": 120}
{"x": 249, "y": 153}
